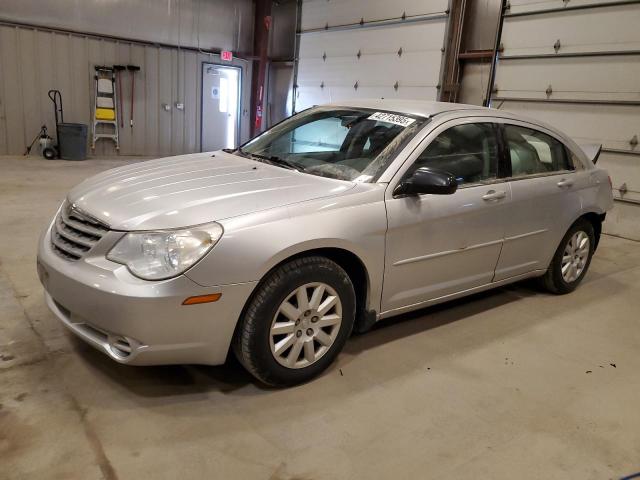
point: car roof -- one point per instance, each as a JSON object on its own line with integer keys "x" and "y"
{"x": 426, "y": 108}
{"x": 423, "y": 108}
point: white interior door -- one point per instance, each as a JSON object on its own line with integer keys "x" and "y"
{"x": 220, "y": 106}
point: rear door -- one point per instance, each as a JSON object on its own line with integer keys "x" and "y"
{"x": 545, "y": 199}
{"x": 438, "y": 245}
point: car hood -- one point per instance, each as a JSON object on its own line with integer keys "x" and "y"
{"x": 194, "y": 189}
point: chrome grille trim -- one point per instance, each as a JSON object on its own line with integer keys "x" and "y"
{"x": 74, "y": 233}
{"x": 72, "y": 236}
{"x": 83, "y": 222}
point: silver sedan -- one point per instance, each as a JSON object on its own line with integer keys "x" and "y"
{"x": 334, "y": 219}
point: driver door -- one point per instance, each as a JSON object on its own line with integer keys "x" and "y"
{"x": 440, "y": 245}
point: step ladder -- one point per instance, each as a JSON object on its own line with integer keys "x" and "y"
{"x": 104, "y": 111}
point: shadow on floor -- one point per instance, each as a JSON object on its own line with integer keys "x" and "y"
{"x": 412, "y": 323}
{"x": 180, "y": 380}
{"x": 159, "y": 381}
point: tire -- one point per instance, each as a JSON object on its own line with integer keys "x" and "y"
{"x": 554, "y": 280}
{"x": 260, "y": 347}
{"x": 49, "y": 153}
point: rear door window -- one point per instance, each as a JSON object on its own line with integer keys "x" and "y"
{"x": 532, "y": 152}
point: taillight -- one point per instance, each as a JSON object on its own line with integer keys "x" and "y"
{"x": 610, "y": 182}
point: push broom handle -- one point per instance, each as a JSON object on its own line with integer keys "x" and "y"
{"x": 133, "y": 87}
{"x": 133, "y": 69}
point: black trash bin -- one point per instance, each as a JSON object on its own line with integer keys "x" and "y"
{"x": 72, "y": 141}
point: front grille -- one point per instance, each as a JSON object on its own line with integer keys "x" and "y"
{"x": 74, "y": 233}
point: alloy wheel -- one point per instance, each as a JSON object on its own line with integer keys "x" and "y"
{"x": 575, "y": 256}
{"x": 305, "y": 325}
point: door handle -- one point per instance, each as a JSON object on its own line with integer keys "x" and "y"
{"x": 494, "y": 195}
{"x": 565, "y": 182}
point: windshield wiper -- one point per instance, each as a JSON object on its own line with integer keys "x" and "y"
{"x": 287, "y": 163}
{"x": 275, "y": 161}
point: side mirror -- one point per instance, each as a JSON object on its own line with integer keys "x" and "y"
{"x": 427, "y": 181}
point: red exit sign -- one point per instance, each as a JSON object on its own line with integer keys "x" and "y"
{"x": 226, "y": 55}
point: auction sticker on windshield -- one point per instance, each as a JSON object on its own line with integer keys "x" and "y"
{"x": 392, "y": 118}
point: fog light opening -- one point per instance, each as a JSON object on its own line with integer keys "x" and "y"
{"x": 120, "y": 346}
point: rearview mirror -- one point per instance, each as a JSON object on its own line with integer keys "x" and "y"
{"x": 427, "y": 181}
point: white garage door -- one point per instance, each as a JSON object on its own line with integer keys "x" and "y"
{"x": 369, "y": 49}
{"x": 576, "y": 65}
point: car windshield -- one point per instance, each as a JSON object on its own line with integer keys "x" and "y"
{"x": 343, "y": 143}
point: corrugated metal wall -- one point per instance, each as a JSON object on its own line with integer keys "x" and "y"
{"x": 369, "y": 49}
{"x": 33, "y": 61}
{"x": 576, "y": 65}
{"x": 206, "y": 24}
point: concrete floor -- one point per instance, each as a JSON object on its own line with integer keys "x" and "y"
{"x": 508, "y": 384}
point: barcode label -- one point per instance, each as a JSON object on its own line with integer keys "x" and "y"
{"x": 392, "y": 118}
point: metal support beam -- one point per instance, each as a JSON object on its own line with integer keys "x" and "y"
{"x": 628, "y": 103}
{"x": 296, "y": 56}
{"x": 496, "y": 51}
{"x": 427, "y": 17}
{"x": 626, "y": 200}
{"x": 572, "y": 8}
{"x": 260, "y": 48}
{"x": 451, "y": 67}
{"x": 131, "y": 40}
{"x": 614, "y": 53}
{"x": 618, "y": 151}
{"x": 476, "y": 55}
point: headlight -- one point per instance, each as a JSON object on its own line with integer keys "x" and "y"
{"x": 164, "y": 254}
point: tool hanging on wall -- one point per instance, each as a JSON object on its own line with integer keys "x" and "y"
{"x": 119, "y": 69}
{"x": 105, "y": 112}
{"x": 133, "y": 69}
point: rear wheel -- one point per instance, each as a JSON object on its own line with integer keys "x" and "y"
{"x": 572, "y": 259}
{"x": 297, "y": 321}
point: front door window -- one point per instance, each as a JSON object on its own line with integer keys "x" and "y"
{"x": 468, "y": 151}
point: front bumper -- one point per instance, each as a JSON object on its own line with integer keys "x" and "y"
{"x": 135, "y": 321}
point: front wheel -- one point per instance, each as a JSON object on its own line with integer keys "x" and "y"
{"x": 571, "y": 260}
{"x": 296, "y": 322}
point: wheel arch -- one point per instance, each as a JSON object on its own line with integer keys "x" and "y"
{"x": 596, "y": 220}
{"x": 355, "y": 268}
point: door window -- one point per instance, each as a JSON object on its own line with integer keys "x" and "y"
{"x": 532, "y": 152}
{"x": 469, "y": 152}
